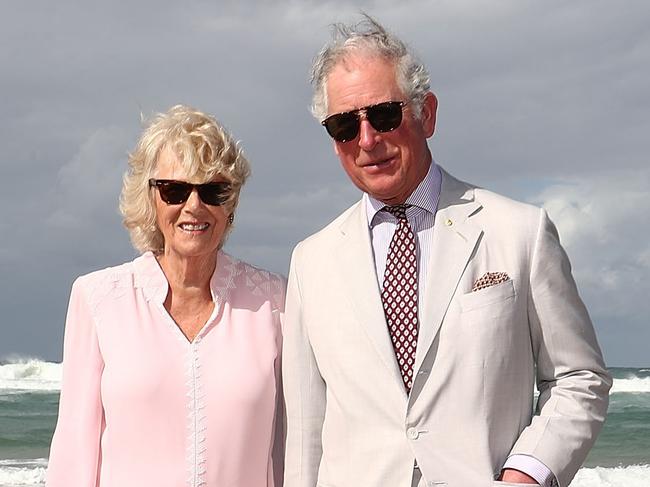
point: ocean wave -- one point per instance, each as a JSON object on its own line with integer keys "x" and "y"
{"x": 23, "y": 473}
{"x": 631, "y": 384}
{"x": 628, "y": 384}
{"x": 630, "y": 476}
{"x": 30, "y": 375}
{"x": 31, "y": 473}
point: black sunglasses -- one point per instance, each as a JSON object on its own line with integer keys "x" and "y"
{"x": 175, "y": 192}
{"x": 383, "y": 117}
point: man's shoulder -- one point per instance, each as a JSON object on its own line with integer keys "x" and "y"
{"x": 332, "y": 229}
{"x": 492, "y": 205}
{"x": 487, "y": 198}
{"x": 496, "y": 213}
{"x": 497, "y": 203}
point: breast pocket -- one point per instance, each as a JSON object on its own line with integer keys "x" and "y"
{"x": 503, "y": 293}
{"x": 491, "y": 324}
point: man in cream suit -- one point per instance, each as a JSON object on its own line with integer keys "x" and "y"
{"x": 419, "y": 321}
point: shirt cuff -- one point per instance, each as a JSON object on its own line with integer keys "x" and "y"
{"x": 532, "y": 467}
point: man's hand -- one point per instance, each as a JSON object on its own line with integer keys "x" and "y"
{"x": 517, "y": 477}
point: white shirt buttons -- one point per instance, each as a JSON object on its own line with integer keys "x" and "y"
{"x": 412, "y": 434}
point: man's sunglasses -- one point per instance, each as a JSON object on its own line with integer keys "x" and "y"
{"x": 175, "y": 192}
{"x": 383, "y": 117}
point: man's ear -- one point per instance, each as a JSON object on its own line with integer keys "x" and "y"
{"x": 429, "y": 110}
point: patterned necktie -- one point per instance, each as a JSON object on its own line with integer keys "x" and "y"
{"x": 400, "y": 293}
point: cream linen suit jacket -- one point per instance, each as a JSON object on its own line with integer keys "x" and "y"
{"x": 479, "y": 354}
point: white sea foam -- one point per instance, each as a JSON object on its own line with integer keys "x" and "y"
{"x": 22, "y": 473}
{"x": 37, "y": 375}
{"x": 630, "y": 476}
{"x": 631, "y": 384}
{"x": 31, "y": 473}
{"x": 30, "y": 375}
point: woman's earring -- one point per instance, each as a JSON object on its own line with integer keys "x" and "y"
{"x": 231, "y": 218}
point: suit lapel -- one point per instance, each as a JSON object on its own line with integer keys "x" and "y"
{"x": 454, "y": 240}
{"x": 358, "y": 279}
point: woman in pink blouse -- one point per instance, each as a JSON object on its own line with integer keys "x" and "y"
{"x": 171, "y": 361}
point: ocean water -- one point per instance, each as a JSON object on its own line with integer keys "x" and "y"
{"x": 29, "y": 392}
{"x": 29, "y": 398}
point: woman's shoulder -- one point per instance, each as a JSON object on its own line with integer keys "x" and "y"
{"x": 256, "y": 280}
{"x": 98, "y": 277}
{"x": 101, "y": 282}
{"x": 252, "y": 274}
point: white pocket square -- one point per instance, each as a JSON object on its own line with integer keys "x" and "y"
{"x": 489, "y": 279}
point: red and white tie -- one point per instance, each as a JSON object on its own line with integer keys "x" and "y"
{"x": 400, "y": 293}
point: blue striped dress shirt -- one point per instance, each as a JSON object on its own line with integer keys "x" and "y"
{"x": 421, "y": 216}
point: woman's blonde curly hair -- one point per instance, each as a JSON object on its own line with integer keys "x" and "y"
{"x": 203, "y": 147}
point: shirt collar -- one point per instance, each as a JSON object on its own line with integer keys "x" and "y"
{"x": 150, "y": 277}
{"x": 425, "y": 196}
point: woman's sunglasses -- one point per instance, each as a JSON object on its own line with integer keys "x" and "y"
{"x": 383, "y": 117}
{"x": 175, "y": 192}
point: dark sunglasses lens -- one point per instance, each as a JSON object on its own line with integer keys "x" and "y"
{"x": 174, "y": 193}
{"x": 385, "y": 116}
{"x": 343, "y": 126}
{"x": 214, "y": 194}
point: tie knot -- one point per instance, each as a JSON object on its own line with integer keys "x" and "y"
{"x": 398, "y": 211}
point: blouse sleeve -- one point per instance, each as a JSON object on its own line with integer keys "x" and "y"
{"x": 75, "y": 454}
{"x": 279, "y": 287}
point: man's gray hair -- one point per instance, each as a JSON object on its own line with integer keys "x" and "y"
{"x": 369, "y": 38}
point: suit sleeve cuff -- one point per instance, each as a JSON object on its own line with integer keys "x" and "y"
{"x": 532, "y": 467}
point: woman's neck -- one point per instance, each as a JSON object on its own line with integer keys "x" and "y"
{"x": 189, "y": 275}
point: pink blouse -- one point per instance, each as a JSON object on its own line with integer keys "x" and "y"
{"x": 142, "y": 406}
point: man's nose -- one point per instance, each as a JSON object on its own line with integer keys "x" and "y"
{"x": 367, "y": 135}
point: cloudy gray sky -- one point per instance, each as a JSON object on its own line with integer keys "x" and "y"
{"x": 545, "y": 101}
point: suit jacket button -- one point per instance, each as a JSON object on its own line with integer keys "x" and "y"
{"x": 412, "y": 434}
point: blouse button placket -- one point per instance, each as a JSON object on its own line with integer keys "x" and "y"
{"x": 196, "y": 418}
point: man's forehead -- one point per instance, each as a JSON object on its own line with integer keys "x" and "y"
{"x": 359, "y": 60}
{"x": 360, "y": 81}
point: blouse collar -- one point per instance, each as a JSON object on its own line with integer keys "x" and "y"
{"x": 149, "y": 276}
